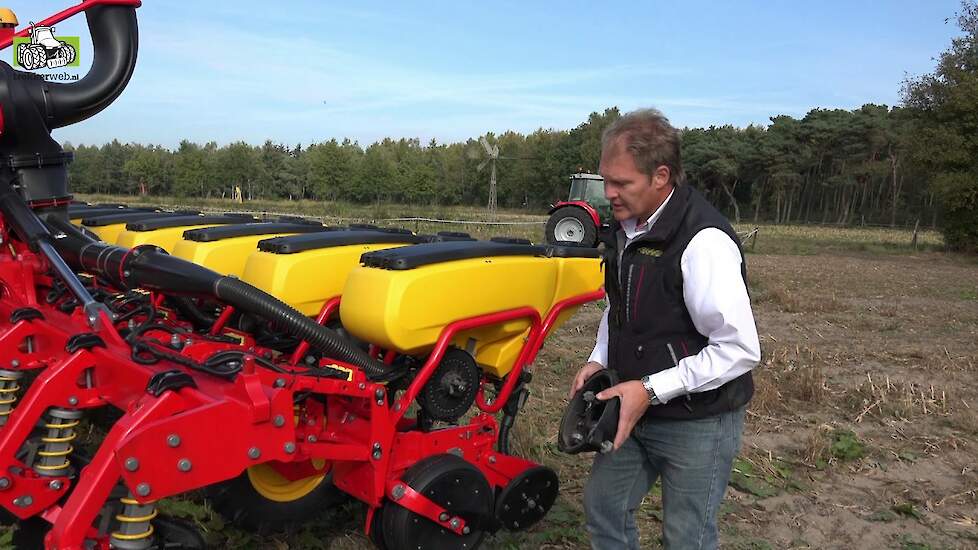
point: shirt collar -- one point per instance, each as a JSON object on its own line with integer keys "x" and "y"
{"x": 632, "y": 229}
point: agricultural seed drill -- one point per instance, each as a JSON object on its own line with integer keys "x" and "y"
{"x": 280, "y": 365}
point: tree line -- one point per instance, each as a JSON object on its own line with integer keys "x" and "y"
{"x": 873, "y": 165}
{"x": 831, "y": 166}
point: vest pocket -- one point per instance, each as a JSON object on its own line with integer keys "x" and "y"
{"x": 637, "y": 357}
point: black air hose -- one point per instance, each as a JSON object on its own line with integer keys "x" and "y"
{"x": 154, "y": 269}
{"x": 115, "y": 41}
{"x": 258, "y": 302}
{"x": 188, "y": 309}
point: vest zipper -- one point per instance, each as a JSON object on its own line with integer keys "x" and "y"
{"x": 628, "y": 292}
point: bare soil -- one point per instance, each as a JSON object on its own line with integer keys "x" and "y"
{"x": 863, "y": 432}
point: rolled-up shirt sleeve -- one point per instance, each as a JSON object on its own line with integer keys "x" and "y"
{"x": 719, "y": 306}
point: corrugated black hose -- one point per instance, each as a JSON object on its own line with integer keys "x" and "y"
{"x": 152, "y": 268}
{"x": 250, "y": 299}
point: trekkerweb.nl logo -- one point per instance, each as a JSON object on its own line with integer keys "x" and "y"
{"x": 43, "y": 50}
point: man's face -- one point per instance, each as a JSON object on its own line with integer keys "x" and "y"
{"x": 632, "y": 194}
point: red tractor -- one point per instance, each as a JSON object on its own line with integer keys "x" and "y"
{"x": 577, "y": 220}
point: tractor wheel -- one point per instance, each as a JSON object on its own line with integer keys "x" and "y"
{"x": 263, "y": 501}
{"x": 454, "y": 484}
{"x": 33, "y": 57}
{"x": 571, "y": 225}
{"x": 68, "y": 52}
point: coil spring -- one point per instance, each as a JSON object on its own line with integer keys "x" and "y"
{"x": 9, "y": 385}
{"x": 135, "y": 530}
{"x": 52, "y": 457}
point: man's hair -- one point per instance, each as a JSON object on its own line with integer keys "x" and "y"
{"x": 651, "y": 140}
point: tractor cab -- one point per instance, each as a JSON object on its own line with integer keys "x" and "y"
{"x": 588, "y": 188}
{"x": 576, "y": 221}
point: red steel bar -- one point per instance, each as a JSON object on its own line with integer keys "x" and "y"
{"x": 65, "y": 14}
{"x": 330, "y": 306}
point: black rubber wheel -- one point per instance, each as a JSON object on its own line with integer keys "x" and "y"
{"x": 571, "y": 225}
{"x": 177, "y": 534}
{"x": 454, "y": 484}
{"x": 241, "y": 503}
{"x": 527, "y": 498}
{"x": 377, "y": 529}
{"x": 30, "y": 533}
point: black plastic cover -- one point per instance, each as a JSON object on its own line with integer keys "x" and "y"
{"x": 329, "y": 239}
{"x": 432, "y": 253}
{"x": 445, "y": 236}
{"x": 178, "y": 221}
{"x": 89, "y": 211}
{"x": 573, "y": 252}
{"x": 211, "y": 234}
{"x": 298, "y": 219}
{"x": 84, "y": 340}
{"x": 169, "y": 380}
{"x": 25, "y": 314}
{"x": 100, "y": 220}
{"x": 510, "y": 240}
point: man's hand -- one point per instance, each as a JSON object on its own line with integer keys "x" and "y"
{"x": 582, "y": 375}
{"x": 634, "y": 402}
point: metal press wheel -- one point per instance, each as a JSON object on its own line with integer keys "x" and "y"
{"x": 456, "y": 485}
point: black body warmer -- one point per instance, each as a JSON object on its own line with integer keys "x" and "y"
{"x": 649, "y": 327}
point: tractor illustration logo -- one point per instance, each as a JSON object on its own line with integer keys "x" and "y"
{"x": 44, "y": 50}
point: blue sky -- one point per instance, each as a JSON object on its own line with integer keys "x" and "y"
{"x": 305, "y": 71}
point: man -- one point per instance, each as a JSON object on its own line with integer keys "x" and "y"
{"x": 680, "y": 333}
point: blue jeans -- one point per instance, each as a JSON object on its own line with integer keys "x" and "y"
{"x": 693, "y": 458}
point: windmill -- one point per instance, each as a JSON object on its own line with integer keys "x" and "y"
{"x": 491, "y": 156}
{"x": 492, "y": 153}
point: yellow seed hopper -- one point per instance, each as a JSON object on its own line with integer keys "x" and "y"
{"x": 108, "y": 226}
{"x": 402, "y": 299}
{"x": 226, "y": 248}
{"x": 306, "y": 270}
{"x": 165, "y": 232}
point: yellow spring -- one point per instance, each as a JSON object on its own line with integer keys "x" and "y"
{"x": 138, "y": 536}
{"x": 130, "y": 519}
{"x": 65, "y": 452}
{"x": 71, "y": 436}
{"x": 64, "y": 439}
{"x": 8, "y": 396}
{"x": 71, "y": 424}
{"x": 124, "y": 519}
{"x": 63, "y": 465}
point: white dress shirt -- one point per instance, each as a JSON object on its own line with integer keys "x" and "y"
{"x": 719, "y": 306}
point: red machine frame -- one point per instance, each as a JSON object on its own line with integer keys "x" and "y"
{"x": 209, "y": 429}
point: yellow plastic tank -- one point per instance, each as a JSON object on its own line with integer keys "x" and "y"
{"x": 165, "y": 232}
{"x": 306, "y": 270}
{"x": 225, "y": 249}
{"x": 402, "y": 299}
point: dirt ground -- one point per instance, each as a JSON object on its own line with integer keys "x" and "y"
{"x": 863, "y": 432}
